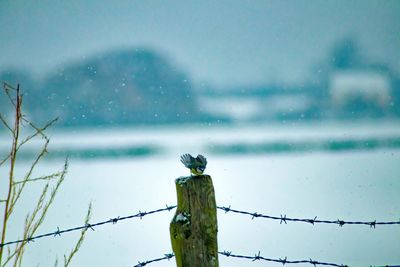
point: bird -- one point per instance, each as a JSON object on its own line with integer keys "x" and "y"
{"x": 197, "y": 165}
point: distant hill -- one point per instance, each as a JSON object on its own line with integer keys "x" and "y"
{"x": 134, "y": 86}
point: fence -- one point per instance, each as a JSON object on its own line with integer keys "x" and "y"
{"x": 283, "y": 219}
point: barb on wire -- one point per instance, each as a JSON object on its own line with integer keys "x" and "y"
{"x": 91, "y": 226}
{"x": 166, "y": 257}
{"x": 284, "y": 219}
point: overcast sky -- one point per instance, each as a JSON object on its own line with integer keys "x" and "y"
{"x": 221, "y": 42}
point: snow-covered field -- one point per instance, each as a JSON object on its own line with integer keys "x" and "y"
{"x": 352, "y": 185}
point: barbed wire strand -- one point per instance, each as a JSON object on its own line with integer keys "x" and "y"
{"x": 284, "y": 219}
{"x": 59, "y": 232}
{"x": 283, "y": 261}
{"x": 258, "y": 257}
{"x": 166, "y": 257}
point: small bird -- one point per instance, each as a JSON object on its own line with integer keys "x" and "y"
{"x": 197, "y": 165}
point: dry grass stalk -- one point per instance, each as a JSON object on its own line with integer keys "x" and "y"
{"x": 15, "y": 189}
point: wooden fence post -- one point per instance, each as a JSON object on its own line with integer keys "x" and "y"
{"x": 193, "y": 229}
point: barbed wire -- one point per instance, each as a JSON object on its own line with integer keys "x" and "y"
{"x": 283, "y": 261}
{"x": 91, "y": 226}
{"x": 258, "y": 257}
{"x": 166, "y": 257}
{"x": 282, "y": 219}
{"x": 285, "y": 219}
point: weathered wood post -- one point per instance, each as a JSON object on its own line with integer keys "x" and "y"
{"x": 194, "y": 227}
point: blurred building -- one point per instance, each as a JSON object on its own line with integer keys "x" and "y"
{"x": 257, "y": 104}
{"x": 368, "y": 87}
